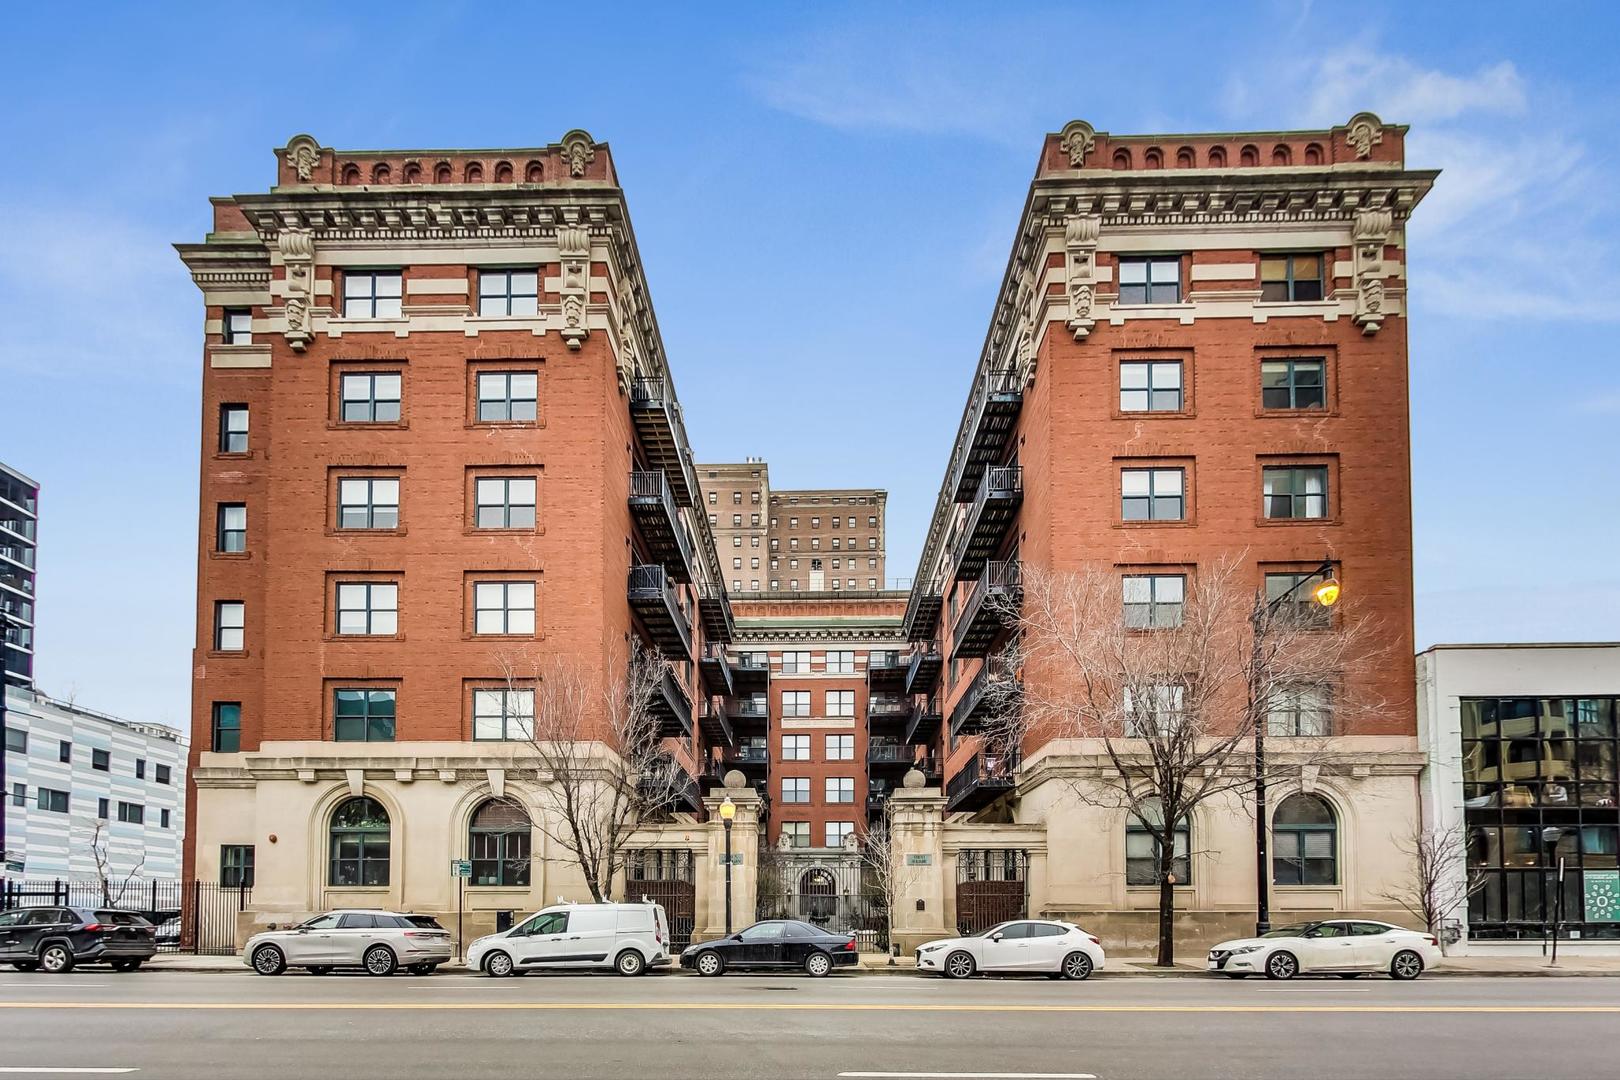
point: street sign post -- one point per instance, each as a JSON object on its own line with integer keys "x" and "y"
{"x": 461, "y": 870}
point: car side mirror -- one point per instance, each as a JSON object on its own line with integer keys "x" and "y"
{"x": 303, "y": 929}
{"x": 996, "y": 937}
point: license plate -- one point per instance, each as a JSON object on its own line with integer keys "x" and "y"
{"x": 1213, "y": 965}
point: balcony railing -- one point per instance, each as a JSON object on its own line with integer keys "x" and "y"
{"x": 748, "y": 709}
{"x": 879, "y": 752}
{"x": 922, "y": 671}
{"x": 751, "y": 670}
{"x": 990, "y": 607}
{"x": 878, "y": 708}
{"x": 747, "y": 755}
{"x": 668, "y": 784}
{"x": 981, "y": 780}
{"x": 714, "y": 606}
{"x": 653, "y": 598}
{"x": 652, "y": 503}
{"x": 672, "y": 708}
{"x": 886, "y": 670}
{"x": 986, "y": 696}
{"x": 717, "y": 669}
{"x": 997, "y": 401}
{"x": 663, "y": 435}
{"x": 995, "y": 504}
{"x": 922, "y": 610}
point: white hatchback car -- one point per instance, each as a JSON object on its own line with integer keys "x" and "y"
{"x": 379, "y": 941}
{"x": 627, "y": 938}
{"x": 1343, "y": 947}
{"x": 1059, "y": 950}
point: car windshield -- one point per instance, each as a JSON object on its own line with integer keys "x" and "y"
{"x": 1297, "y": 930}
{"x": 994, "y": 929}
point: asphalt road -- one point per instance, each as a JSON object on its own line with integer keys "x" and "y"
{"x": 671, "y": 1027}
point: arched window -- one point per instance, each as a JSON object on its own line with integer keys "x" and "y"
{"x": 474, "y": 173}
{"x": 535, "y": 172}
{"x": 498, "y": 841}
{"x": 1185, "y": 158}
{"x": 1305, "y": 842}
{"x": 1313, "y": 154}
{"x": 1153, "y": 159}
{"x": 380, "y": 173}
{"x": 1122, "y": 158}
{"x": 359, "y": 843}
{"x": 351, "y": 174}
{"x": 412, "y": 173}
{"x": 1142, "y": 846}
{"x": 1217, "y": 157}
{"x": 1281, "y": 155}
{"x": 1249, "y": 157}
{"x": 441, "y": 173}
{"x": 818, "y": 895}
{"x": 503, "y": 172}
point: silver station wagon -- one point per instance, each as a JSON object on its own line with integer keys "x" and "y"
{"x": 381, "y": 942}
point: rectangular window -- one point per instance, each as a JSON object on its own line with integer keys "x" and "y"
{"x": 1152, "y": 494}
{"x": 1293, "y": 384}
{"x": 236, "y": 866}
{"x": 871, "y": 521}
{"x": 370, "y": 399}
{"x": 796, "y": 834}
{"x": 365, "y": 503}
{"x": 795, "y": 748}
{"x": 230, "y": 618}
{"x": 19, "y": 794}
{"x": 840, "y": 789}
{"x": 163, "y": 818}
{"x": 503, "y": 714}
{"x": 1153, "y": 601}
{"x": 795, "y": 663}
{"x": 841, "y": 662}
{"x": 503, "y": 607}
{"x": 16, "y": 740}
{"x": 795, "y": 789}
{"x": 231, "y": 535}
{"x": 54, "y": 801}
{"x": 1150, "y": 280}
{"x": 1295, "y": 491}
{"x": 226, "y": 727}
{"x": 1300, "y": 608}
{"x": 504, "y": 502}
{"x": 736, "y": 521}
{"x": 364, "y": 608}
{"x": 504, "y": 293}
{"x": 795, "y": 703}
{"x": 363, "y": 715}
{"x": 1150, "y": 386}
{"x": 103, "y": 809}
{"x": 140, "y": 768}
{"x": 508, "y": 396}
{"x": 840, "y": 703}
{"x": 1300, "y": 710}
{"x": 713, "y": 495}
{"x": 736, "y": 563}
{"x": 840, "y": 748}
{"x": 839, "y": 832}
{"x": 1290, "y": 277}
{"x": 131, "y": 813}
{"x": 162, "y": 774}
{"x": 233, "y": 429}
{"x": 64, "y": 750}
{"x": 871, "y": 583}
{"x": 101, "y": 760}
{"x": 236, "y": 327}
{"x": 1156, "y": 710}
{"x": 371, "y": 294}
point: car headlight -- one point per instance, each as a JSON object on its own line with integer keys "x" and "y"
{"x": 1246, "y": 949}
{"x": 930, "y": 948}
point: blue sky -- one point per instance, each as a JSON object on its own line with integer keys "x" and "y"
{"x": 824, "y": 196}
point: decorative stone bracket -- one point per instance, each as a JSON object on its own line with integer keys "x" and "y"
{"x": 1080, "y": 238}
{"x": 574, "y": 248}
{"x": 1371, "y": 232}
{"x": 297, "y": 247}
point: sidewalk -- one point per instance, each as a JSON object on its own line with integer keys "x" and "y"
{"x": 1118, "y": 966}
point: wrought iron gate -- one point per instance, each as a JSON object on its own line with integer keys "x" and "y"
{"x": 833, "y": 890}
{"x": 991, "y": 887}
{"x": 191, "y": 916}
{"x": 665, "y": 877}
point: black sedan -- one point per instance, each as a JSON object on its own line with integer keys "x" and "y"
{"x": 57, "y": 938}
{"x": 774, "y": 945}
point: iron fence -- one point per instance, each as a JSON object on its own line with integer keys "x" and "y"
{"x": 191, "y": 916}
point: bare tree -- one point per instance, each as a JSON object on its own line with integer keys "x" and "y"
{"x": 884, "y": 873}
{"x": 1441, "y": 881}
{"x": 594, "y": 744}
{"x": 112, "y": 890}
{"x": 1170, "y": 696}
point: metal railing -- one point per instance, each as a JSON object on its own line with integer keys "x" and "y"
{"x": 652, "y": 580}
{"x": 983, "y": 770}
{"x": 653, "y": 484}
{"x": 999, "y": 583}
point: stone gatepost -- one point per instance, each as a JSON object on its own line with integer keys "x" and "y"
{"x": 917, "y": 831}
{"x": 711, "y": 874}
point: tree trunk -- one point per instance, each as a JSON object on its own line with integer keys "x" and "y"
{"x": 1167, "y": 898}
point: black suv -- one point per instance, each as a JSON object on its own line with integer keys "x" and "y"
{"x": 57, "y": 938}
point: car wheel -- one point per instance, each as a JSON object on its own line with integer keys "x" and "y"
{"x": 1282, "y": 965}
{"x": 268, "y": 960}
{"x": 26, "y": 965}
{"x": 498, "y": 964}
{"x": 630, "y": 962}
{"x": 379, "y": 960}
{"x": 958, "y": 965}
{"x": 1406, "y": 966}
{"x": 422, "y": 969}
{"x": 1077, "y": 966}
{"x": 56, "y": 959}
{"x": 710, "y": 963}
{"x": 817, "y": 964}
{"x": 126, "y": 965}
{"x": 319, "y": 969}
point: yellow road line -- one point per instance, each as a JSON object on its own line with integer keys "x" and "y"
{"x": 754, "y": 1006}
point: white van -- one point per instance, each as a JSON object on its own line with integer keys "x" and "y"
{"x": 629, "y": 938}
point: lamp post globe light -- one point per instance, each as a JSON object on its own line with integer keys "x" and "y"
{"x": 1325, "y": 592}
{"x": 728, "y": 811}
{"x": 1555, "y": 870}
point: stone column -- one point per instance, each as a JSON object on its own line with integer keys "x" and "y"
{"x": 918, "y": 834}
{"x": 711, "y": 923}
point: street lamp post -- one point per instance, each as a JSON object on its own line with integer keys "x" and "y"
{"x": 728, "y": 811}
{"x": 1550, "y": 837}
{"x": 1326, "y": 593}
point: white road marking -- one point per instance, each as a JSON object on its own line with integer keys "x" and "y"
{"x": 1316, "y": 990}
{"x": 973, "y": 1075}
{"x": 43, "y": 985}
{"x": 37, "y": 1072}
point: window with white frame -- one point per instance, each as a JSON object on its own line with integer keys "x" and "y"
{"x": 1304, "y": 709}
{"x": 1153, "y": 710}
{"x": 371, "y": 294}
{"x": 840, "y": 789}
{"x": 795, "y": 748}
{"x": 841, "y": 662}
{"x": 839, "y": 833}
{"x": 795, "y": 789}
{"x": 503, "y": 714}
{"x": 795, "y": 663}
{"x": 840, "y": 703}
{"x": 840, "y": 747}
{"x": 367, "y": 608}
{"x": 230, "y": 619}
{"x": 503, "y": 607}
{"x": 1150, "y": 386}
{"x": 368, "y": 503}
{"x": 796, "y": 834}
{"x": 1153, "y": 601}
{"x": 508, "y": 292}
{"x": 237, "y": 326}
{"x": 504, "y": 502}
{"x": 795, "y": 703}
{"x": 1154, "y": 279}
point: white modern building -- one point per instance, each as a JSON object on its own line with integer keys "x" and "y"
{"x": 1524, "y": 773}
{"x": 78, "y": 781}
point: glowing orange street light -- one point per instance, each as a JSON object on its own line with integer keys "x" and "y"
{"x": 1327, "y": 593}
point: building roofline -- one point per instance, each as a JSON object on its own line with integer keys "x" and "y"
{"x": 1450, "y": 646}
{"x": 24, "y": 477}
{"x": 157, "y": 731}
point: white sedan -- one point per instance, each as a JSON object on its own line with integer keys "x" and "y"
{"x": 1059, "y": 950}
{"x": 1343, "y": 947}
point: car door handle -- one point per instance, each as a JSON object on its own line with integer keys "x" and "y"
{"x": 573, "y": 937}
